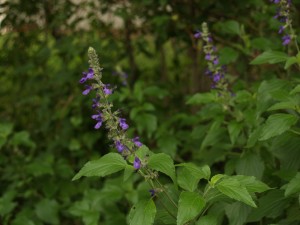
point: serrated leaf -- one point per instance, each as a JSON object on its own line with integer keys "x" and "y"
{"x": 216, "y": 178}
{"x": 237, "y": 213}
{"x": 142, "y": 213}
{"x": 293, "y": 186}
{"x": 189, "y": 176}
{"x": 128, "y": 171}
{"x": 252, "y": 184}
{"x": 253, "y": 137}
{"x": 271, "y": 57}
{"x": 235, "y": 190}
{"x": 207, "y": 220}
{"x": 163, "y": 163}
{"x": 290, "y": 61}
{"x": 211, "y": 134}
{"x": 277, "y": 124}
{"x": 202, "y": 98}
{"x": 108, "y": 164}
{"x": 189, "y": 206}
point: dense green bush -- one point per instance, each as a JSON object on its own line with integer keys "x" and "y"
{"x": 225, "y": 145}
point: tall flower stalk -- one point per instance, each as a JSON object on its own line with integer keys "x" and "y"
{"x": 117, "y": 126}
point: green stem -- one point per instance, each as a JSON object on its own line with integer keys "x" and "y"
{"x": 295, "y": 132}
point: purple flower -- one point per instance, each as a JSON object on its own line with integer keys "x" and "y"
{"x": 87, "y": 76}
{"x": 96, "y": 103}
{"x": 137, "y": 142}
{"x": 217, "y": 77}
{"x": 197, "y": 35}
{"x": 107, "y": 90}
{"x": 152, "y": 192}
{"x": 281, "y": 29}
{"x": 87, "y": 90}
{"x": 207, "y": 57}
{"x": 286, "y": 39}
{"x": 216, "y": 61}
{"x": 120, "y": 147}
{"x": 137, "y": 163}
{"x": 98, "y": 118}
{"x": 123, "y": 124}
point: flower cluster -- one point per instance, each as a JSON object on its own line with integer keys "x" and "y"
{"x": 115, "y": 125}
{"x": 215, "y": 71}
{"x": 283, "y": 15}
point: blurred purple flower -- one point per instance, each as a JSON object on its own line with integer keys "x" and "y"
{"x": 286, "y": 39}
{"x": 107, "y": 90}
{"x": 137, "y": 142}
{"x": 120, "y": 147}
{"x": 87, "y": 90}
{"x": 98, "y": 118}
{"x": 123, "y": 124}
{"x": 87, "y": 75}
{"x": 137, "y": 163}
{"x": 197, "y": 35}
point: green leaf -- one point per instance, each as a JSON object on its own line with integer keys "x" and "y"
{"x": 207, "y": 220}
{"x": 234, "y": 189}
{"x": 291, "y": 60}
{"x": 252, "y": 184}
{"x": 283, "y": 105}
{"x": 253, "y": 137}
{"x": 108, "y": 164}
{"x": 5, "y": 130}
{"x": 128, "y": 171}
{"x": 293, "y": 186}
{"x": 47, "y": 211}
{"x": 270, "y": 205}
{"x": 163, "y": 163}
{"x": 189, "y": 175}
{"x": 237, "y": 213}
{"x": 234, "y": 130}
{"x": 142, "y": 213}
{"x": 202, "y": 98}
{"x": 212, "y": 133}
{"x": 277, "y": 124}
{"x": 189, "y": 206}
{"x": 271, "y": 57}
{"x": 250, "y": 164}
{"x": 228, "y": 55}
{"x": 295, "y": 90}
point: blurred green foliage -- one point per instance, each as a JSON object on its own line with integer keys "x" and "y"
{"x": 46, "y": 133}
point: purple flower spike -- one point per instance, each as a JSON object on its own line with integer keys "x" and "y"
{"x": 87, "y": 90}
{"x": 123, "y": 124}
{"x": 137, "y": 142}
{"x": 137, "y": 163}
{"x": 107, "y": 90}
{"x": 197, "y": 35}
{"x": 119, "y": 146}
{"x": 286, "y": 39}
{"x": 217, "y": 77}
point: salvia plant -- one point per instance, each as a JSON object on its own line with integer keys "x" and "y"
{"x": 247, "y": 131}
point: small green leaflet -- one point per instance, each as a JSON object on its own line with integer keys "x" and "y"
{"x": 189, "y": 206}
{"x": 163, "y": 163}
{"x": 142, "y": 213}
{"x": 108, "y": 164}
{"x": 270, "y": 57}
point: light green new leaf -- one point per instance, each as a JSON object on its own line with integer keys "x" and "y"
{"x": 142, "y": 213}
{"x": 189, "y": 176}
{"x": 293, "y": 186}
{"x": 202, "y": 98}
{"x": 271, "y": 57}
{"x": 234, "y": 189}
{"x": 283, "y": 105}
{"x": 189, "y": 206}
{"x": 163, "y": 163}
{"x": 277, "y": 124}
{"x": 108, "y": 164}
{"x": 290, "y": 61}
